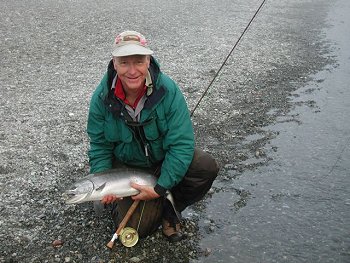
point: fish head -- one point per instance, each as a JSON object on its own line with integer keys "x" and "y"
{"x": 78, "y": 192}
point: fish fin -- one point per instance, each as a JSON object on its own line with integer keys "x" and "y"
{"x": 100, "y": 188}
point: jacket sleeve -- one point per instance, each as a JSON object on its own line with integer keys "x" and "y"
{"x": 101, "y": 150}
{"x": 178, "y": 142}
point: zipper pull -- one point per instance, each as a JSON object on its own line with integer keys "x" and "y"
{"x": 146, "y": 150}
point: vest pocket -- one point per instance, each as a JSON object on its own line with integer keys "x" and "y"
{"x": 155, "y": 137}
{"x": 151, "y": 131}
{"x": 155, "y": 130}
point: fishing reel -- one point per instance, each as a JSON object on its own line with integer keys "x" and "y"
{"x": 129, "y": 237}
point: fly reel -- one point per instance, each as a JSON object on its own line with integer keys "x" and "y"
{"x": 129, "y": 237}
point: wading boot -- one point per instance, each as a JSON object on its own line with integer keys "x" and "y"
{"x": 171, "y": 223}
{"x": 172, "y": 230}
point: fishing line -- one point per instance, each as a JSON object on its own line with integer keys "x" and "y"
{"x": 143, "y": 208}
{"x": 339, "y": 156}
{"x": 227, "y": 57}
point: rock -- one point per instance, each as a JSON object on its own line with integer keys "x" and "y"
{"x": 207, "y": 252}
{"x": 135, "y": 259}
{"x": 57, "y": 243}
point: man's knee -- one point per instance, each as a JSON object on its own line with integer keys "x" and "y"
{"x": 204, "y": 163}
{"x": 197, "y": 181}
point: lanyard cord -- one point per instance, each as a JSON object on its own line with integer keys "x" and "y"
{"x": 227, "y": 57}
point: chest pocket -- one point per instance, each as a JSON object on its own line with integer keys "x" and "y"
{"x": 116, "y": 131}
{"x": 155, "y": 129}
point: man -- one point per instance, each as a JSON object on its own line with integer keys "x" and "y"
{"x": 139, "y": 117}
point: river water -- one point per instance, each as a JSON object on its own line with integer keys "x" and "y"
{"x": 296, "y": 208}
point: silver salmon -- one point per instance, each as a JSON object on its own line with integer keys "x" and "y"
{"x": 115, "y": 181}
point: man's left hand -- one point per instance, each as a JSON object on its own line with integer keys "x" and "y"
{"x": 146, "y": 192}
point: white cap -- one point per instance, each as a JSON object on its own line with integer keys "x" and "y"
{"x": 130, "y": 43}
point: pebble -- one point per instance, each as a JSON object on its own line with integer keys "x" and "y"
{"x": 57, "y": 243}
{"x": 207, "y": 252}
{"x": 135, "y": 259}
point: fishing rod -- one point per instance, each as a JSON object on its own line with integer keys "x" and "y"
{"x": 227, "y": 57}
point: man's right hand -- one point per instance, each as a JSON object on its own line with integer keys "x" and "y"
{"x": 107, "y": 199}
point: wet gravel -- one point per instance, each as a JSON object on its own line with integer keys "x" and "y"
{"x": 53, "y": 54}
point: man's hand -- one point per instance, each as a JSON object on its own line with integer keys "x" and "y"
{"x": 146, "y": 192}
{"x": 107, "y": 199}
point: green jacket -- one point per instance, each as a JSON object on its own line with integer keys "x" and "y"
{"x": 164, "y": 133}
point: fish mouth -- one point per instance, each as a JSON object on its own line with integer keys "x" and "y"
{"x": 78, "y": 192}
{"x": 73, "y": 198}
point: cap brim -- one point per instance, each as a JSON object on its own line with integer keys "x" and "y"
{"x": 131, "y": 49}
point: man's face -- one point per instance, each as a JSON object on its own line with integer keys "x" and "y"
{"x": 132, "y": 71}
